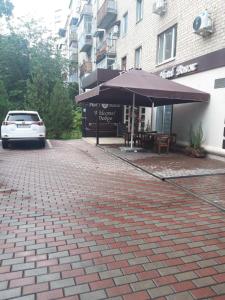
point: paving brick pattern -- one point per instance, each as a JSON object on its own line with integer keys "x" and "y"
{"x": 77, "y": 223}
{"x": 170, "y": 165}
{"x": 211, "y": 188}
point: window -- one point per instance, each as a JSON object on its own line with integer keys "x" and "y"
{"x": 138, "y": 53}
{"x": 125, "y": 24}
{"x": 139, "y": 10}
{"x": 167, "y": 45}
{"x": 124, "y": 63}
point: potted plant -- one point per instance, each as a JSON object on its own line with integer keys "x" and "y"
{"x": 196, "y": 139}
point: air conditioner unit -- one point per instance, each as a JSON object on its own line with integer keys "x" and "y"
{"x": 116, "y": 31}
{"x": 159, "y": 7}
{"x": 203, "y": 24}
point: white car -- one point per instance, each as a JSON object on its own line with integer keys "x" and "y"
{"x": 22, "y": 125}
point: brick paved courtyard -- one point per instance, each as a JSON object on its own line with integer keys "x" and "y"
{"x": 77, "y": 223}
{"x": 170, "y": 165}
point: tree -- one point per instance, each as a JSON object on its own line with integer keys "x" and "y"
{"x": 4, "y": 104}
{"x": 14, "y": 67}
{"x": 60, "y": 111}
{"x": 6, "y": 8}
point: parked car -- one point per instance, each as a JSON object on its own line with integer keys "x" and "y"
{"x": 22, "y": 125}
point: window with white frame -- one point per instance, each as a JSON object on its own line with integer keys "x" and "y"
{"x": 125, "y": 24}
{"x": 167, "y": 45}
{"x": 138, "y": 54}
{"x": 139, "y": 10}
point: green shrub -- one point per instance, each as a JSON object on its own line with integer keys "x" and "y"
{"x": 196, "y": 137}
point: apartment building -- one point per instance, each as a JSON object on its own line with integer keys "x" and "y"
{"x": 182, "y": 41}
{"x": 67, "y": 41}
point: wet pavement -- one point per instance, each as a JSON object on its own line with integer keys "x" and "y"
{"x": 78, "y": 223}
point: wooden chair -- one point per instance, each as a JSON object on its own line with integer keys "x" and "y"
{"x": 162, "y": 141}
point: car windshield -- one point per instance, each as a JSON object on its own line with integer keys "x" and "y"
{"x": 23, "y": 117}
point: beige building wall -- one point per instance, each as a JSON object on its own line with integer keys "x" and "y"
{"x": 180, "y": 12}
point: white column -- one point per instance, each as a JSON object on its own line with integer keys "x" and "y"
{"x": 132, "y": 124}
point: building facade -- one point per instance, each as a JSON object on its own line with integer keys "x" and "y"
{"x": 177, "y": 40}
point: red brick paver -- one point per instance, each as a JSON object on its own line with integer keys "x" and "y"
{"x": 77, "y": 223}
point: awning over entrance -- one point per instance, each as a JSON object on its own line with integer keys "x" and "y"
{"x": 147, "y": 87}
{"x": 140, "y": 88}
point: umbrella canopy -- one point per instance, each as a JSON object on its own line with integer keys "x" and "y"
{"x": 147, "y": 87}
{"x": 141, "y": 88}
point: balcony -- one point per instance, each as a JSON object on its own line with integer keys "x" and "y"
{"x": 85, "y": 42}
{"x": 73, "y": 37}
{"x": 87, "y": 10}
{"x": 85, "y": 68}
{"x": 74, "y": 57}
{"x": 106, "y": 48}
{"x": 106, "y": 14}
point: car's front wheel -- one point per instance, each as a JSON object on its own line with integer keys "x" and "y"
{"x": 5, "y": 144}
{"x": 42, "y": 143}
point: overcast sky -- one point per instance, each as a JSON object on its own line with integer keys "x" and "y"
{"x": 39, "y": 9}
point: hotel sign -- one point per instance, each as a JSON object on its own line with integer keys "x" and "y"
{"x": 108, "y": 113}
{"x": 178, "y": 71}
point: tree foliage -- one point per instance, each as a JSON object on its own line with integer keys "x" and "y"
{"x": 14, "y": 67}
{"x": 33, "y": 73}
{"x": 60, "y": 117}
{"x": 6, "y": 8}
{"x": 4, "y": 104}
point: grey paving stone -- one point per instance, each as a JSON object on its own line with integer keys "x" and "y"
{"x": 110, "y": 252}
{"x": 69, "y": 259}
{"x": 124, "y": 256}
{"x": 25, "y": 266}
{"x": 36, "y": 272}
{"x": 168, "y": 271}
{"x": 46, "y": 250}
{"x": 95, "y": 269}
{"x": 186, "y": 276}
{"x": 11, "y": 293}
{"x": 97, "y": 295}
{"x": 219, "y": 289}
{"x": 62, "y": 283}
{"x": 191, "y": 258}
{"x": 82, "y": 264}
{"x": 138, "y": 261}
{"x": 110, "y": 274}
{"x": 180, "y": 296}
{"x": 58, "y": 254}
{"x": 160, "y": 291}
{"x": 29, "y": 297}
{"x": 76, "y": 290}
{"x": 125, "y": 279}
{"x": 48, "y": 277}
{"x": 13, "y": 261}
{"x": 142, "y": 285}
{"x": 35, "y": 246}
{"x": 205, "y": 281}
{"x": 3, "y": 285}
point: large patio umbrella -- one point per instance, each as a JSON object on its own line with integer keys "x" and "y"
{"x": 141, "y": 88}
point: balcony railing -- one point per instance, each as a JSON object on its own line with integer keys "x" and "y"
{"x": 106, "y": 48}
{"x": 85, "y": 42}
{"x": 72, "y": 37}
{"x": 106, "y": 14}
{"x": 85, "y": 68}
{"x": 87, "y": 10}
{"x": 74, "y": 57}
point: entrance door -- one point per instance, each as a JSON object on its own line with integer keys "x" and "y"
{"x": 164, "y": 118}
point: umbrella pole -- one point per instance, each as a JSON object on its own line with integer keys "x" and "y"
{"x": 152, "y": 116}
{"x": 132, "y": 124}
{"x": 97, "y": 126}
